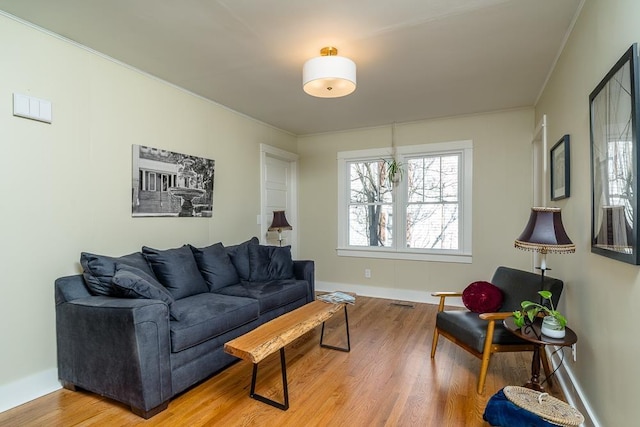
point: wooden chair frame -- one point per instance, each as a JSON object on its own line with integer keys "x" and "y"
{"x": 489, "y": 347}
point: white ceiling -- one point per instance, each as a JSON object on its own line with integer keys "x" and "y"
{"x": 416, "y": 59}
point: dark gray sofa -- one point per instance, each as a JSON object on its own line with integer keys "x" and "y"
{"x": 144, "y": 327}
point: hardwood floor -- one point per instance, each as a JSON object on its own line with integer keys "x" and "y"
{"x": 388, "y": 379}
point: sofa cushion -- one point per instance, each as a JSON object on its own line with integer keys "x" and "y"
{"x": 98, "y": 270}
{"x": 177, "y": 270}
{"x": 205, "y": 316}
{"x": 271, "y": 294}
{"x": 131, "y": 282}
{"x": 216, "y": 266}
{"x": 270, "y": 263}
{"x": 239, "y": 255}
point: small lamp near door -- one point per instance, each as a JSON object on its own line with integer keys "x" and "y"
{"x": 279, "y": 223}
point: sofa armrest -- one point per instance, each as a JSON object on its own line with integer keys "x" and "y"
{"x": 305, "y": 270}
{"x": 116, "y": 347}
{"x": 69, "y": 288}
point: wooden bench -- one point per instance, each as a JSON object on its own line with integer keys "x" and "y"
{"x": 274, "y": 335}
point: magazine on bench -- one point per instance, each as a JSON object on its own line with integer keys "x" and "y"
{"x": 337, "y": 298}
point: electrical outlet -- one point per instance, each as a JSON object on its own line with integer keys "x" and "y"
{"x": 367, "y": 273}
{"x": 574, "y": 351}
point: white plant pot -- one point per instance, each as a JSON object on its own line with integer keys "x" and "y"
{"x": 552, "y": 328}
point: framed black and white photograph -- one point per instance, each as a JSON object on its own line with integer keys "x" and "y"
{"x": 560, "y": 169}
{"x": 614, "y": 110}
{"x": 171, "y": 184}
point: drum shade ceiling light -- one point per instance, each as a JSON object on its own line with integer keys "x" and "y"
{"x": 329, "y": 75}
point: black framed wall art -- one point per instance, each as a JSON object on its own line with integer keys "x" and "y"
{"x": 560, "y": 169}
{"x": 613, "y": 107}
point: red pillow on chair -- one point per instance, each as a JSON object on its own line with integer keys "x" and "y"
{"x": 482, "y": 297}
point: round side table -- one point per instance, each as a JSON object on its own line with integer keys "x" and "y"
{"x": 533, "y": 335}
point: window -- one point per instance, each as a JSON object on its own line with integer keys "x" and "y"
{"x": 165, "y": 182}
{"x": 427, "y": 215}
{"x": 151, "y": 181}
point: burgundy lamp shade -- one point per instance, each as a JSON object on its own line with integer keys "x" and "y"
{"x": 279, "y": 222}
{"x": 545, "y": 233}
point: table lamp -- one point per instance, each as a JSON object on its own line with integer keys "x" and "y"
{"x": 279, "y": 223}
{"x": 544, "y": 234}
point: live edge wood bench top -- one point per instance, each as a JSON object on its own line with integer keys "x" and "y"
{"x": 270, "y": 337}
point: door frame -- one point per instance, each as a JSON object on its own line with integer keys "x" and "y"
{"x": 267, "y": 151}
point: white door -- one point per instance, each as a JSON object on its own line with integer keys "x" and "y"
{"x": 279, "y": 193}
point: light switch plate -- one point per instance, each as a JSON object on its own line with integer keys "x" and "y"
{"x": 31, "y": 108}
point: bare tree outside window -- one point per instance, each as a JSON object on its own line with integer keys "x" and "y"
{"x": 370, "y": 204}
{"x": 433, "y": 199}
{"x": 432, "y": 208}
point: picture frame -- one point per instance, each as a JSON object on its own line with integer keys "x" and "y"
{"x": 170, "y": 184}
{"x": 614, "y": 109}
{"x": 560, "y": 169}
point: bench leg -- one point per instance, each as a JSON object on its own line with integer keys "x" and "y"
{"x": 252, "y": 393}
{"x": 346, "y": 321}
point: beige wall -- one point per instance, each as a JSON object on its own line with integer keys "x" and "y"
{"x": 66, "y": 186}
{"x": 603, "y": 294}
{"x": 501, "y": 202}
{"x": 65, "y": 189}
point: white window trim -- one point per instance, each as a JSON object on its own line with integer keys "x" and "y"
{"x": 463, "y": 255}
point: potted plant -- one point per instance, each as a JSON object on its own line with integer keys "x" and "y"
{"x": 553, "y": 323}
{"x": 395, "y": 170}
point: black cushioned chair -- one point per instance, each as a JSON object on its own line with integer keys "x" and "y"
{"x": 483, "y": 334}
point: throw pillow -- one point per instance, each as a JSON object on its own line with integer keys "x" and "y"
{"x": 270, "y": 263}
{"x": 98, "y": 270}
{"x": 216, "y": 266}
{"x": 482, "y": 297}
{"x": 239, "y": 255}
{"x": 177, "y": 270}
{"x": 131, "y": 282}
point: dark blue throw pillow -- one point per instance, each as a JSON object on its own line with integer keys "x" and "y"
{"x": 216, "y": 266}
{"x": 131, "y": 282}
{"x": 270, "y": 263}
{"x": 239, "y": 255}
{"x": 98, "y": 270}
{"x": 177, "y": 270}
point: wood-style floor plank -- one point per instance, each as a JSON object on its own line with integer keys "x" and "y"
{"x": 388, "y": 379}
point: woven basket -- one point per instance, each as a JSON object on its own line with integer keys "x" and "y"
{"x": 548, "y": 407}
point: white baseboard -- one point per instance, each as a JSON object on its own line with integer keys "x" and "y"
{"x": 571, "y": 387}
{"x": 26, "y": 389}
{"x": 386, "y": 293}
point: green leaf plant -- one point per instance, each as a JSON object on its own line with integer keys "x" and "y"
{"x": 530, "y": 310}
{"x": 395, "y": 170}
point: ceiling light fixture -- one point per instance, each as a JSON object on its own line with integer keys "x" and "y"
{"x": 329, "y": 75}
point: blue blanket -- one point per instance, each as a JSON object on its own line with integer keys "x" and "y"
{"x": 501, "y": 412}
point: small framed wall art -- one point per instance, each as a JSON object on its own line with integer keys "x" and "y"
{"x": 560, "y": 169}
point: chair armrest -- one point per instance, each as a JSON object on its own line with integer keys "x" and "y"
{"x": 444, "y": 295}
{"x": 496, "y": 316}
{"x": 116, "y": 347}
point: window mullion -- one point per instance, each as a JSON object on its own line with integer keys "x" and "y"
{"x": 400, "y": 209}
